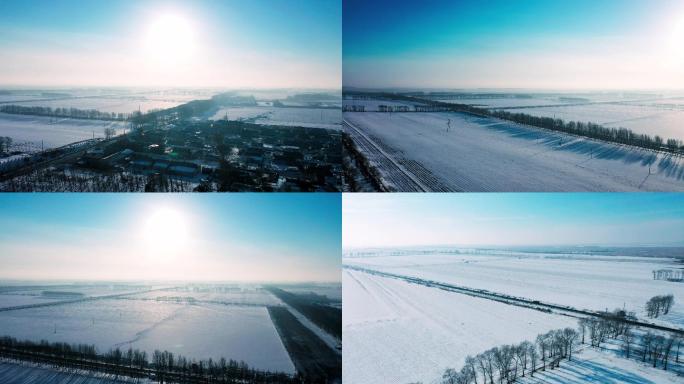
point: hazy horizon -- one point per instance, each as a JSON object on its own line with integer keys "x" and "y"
{"x": 513, "y": 220}
{"x": 207, "y": 43}
{"x": 172, "y": 238}
{"x": 541, "y": 44}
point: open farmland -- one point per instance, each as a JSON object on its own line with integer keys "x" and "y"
{"x": 414, "y": 152}
{"x": 329, "y": 118}
{"x": 53, "y": 132}
{"x": 404, "y": 333}
{"x": 586, "y": 281}
{"x": 212, "y": 325}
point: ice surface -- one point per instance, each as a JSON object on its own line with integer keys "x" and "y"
{"x": 485, "y": 154}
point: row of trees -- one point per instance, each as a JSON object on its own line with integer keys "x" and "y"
{"x": 162, "y": 363}
{"x": 353, "y": 108}
{"x": 504, "y": 364}
{"x": 669, "y": 274}
{"x": 507, "y": 363}
{"x": 72, "y": 113}
{"x": 659, "y": 305}
{"x": 591, "y": 130}
{"x": 5, "y": 144}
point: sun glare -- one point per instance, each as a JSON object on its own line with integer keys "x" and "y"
{"x": 170, "y": 40}
{"x": 165, "y": 233}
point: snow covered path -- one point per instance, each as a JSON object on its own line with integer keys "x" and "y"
{"x": 481, "y": 154}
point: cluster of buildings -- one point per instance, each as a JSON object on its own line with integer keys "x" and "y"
{"x": 227, "y": 156}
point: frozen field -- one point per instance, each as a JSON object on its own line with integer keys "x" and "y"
{"x": 107, "y": 100}
{"x": 53, "y": 132}
{"x": 413, "y": 152}
{"x": 653, "y": 119}
{"x": 199, "y": 330}
{"x": 580, "y": 281}
{"x": 404, "y": 333}
{"x": 650, "y": 113}
{"x": 301, "y": 117}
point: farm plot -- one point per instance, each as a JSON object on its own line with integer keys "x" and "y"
{"x": 199, "y": 331}
{"x": 53, "y": 132}
{"x": 299, "y": 117}
{"x": 653, "y": 119}
{"x": 484, "y": 154}
{"x": 580, "y": 281}
{"x": 396, "y": 332}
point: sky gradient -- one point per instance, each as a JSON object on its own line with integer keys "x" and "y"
{"x": 519, "y": 219}
{"x": 225, "y": 237}
{"x": 216, "y": 43}
{"x": 528, "y": 44}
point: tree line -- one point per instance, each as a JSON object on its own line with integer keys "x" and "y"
{"x": 163, "y": 365}
{"x": 507, "y": 363}
{"x": 71, "y": 113}
{"x": 659, "y": 305}
{"x": 585, "y": 129}
{"x": 5, "y": 144}
{"x": 663, "y": 274}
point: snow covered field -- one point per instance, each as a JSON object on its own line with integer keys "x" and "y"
{"x": 107, "y": 100}
{"x": 653, "y": 114}
{"x": 592, "y": 366}
{"x": 197, "y": 330}
{"x": 301, "y": 117}
{"x": 581, "y": 281}
{"x": 396, "y": 332}
{"x": 484, "y": 154}
{"x": 21, "y": 373}
{"x": 53, "y": 132}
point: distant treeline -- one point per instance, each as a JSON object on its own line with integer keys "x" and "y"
{"x": 164, "y": 366}
{"x": 588, "y": 129}
{"x": 71, "y": 113}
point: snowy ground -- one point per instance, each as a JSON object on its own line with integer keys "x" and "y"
{"x": 650, "y": 118}
{"x": 53, "y": 132}
{"x": 484, "y": 154}
{"x": 594, "y": 366}
{"x": 23, "y": 373}
{"x": 581, "y": 281}
{"x": 196, "y": 330}
{"x": 396, "y": 332}
{"x": 301, "y": 117}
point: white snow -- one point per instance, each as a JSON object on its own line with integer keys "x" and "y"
{"x": 594, "y": 366}
{"x": 484, "y": 154}
{"x": 195, "y": 330}
{"x": 581, "y": 281}
{"x": 396, "y": 332}
{"x": 53, "y": 132}
{"x": 300, "y": 117}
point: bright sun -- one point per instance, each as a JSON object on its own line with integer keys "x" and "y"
{"x": 166, "y": 233}
{"x": 170, "y": 40}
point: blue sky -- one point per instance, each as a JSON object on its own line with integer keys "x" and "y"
{"x": 291, "y": 42}
{"x": 513, "y": 219}
{"x": 521, "y": 44}
{"x": 254, "y": 237}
